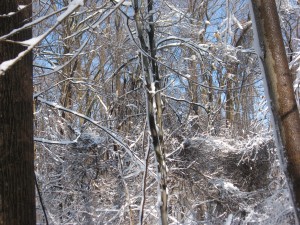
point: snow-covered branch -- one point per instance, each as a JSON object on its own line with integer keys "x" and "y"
{"x": 113, "y": 135}
{"x": 31, "y": 43}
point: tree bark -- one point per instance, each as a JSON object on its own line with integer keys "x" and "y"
{"x": 229, "y": 105}
{"x": 286, "y": 121}
{"x": 17, "y": 194}
{"x": 154, "y": 100}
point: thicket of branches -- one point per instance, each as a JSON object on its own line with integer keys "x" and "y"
{"x": 129, "y": 91}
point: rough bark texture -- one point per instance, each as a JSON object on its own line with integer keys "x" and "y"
{"x": 279, "y": 82}
{"x": 17, "y": 194}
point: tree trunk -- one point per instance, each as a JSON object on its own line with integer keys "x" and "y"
{"x": 274, "y": 64}
{"x": 229, "y": 105}
{"x": 17, "y": 194}
{"x": 154, "y": 101}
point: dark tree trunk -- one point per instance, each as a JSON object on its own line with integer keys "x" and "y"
{"x": 273, "y": 61}
{"x": 17, "y": 194}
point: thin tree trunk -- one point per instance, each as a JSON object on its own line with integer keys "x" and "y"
{"x": 17, "y": 194}
{"x": 229, "y": 105}
{"x": 154, "y": 105}
{"x": 285, "y": 115}
{"x": 193, "y": 84}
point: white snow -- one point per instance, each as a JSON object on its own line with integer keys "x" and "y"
{"x": 5, "y": 65}
{"x": 33, "y": 41}
{"x": 193, "y": 57}
{"x": 201, "y": 31}
{"x": 124, "y": 3}
{"x": 230, "y": 187}
{"x": 132, "y": 106}
{"x": 230, "y": 75}
{"x": 62, "y": 142}
{"x": 9, "y": 63}
{"x": 152, "y": 91}
{"x": 8, "y": 14}
{"x": 295, "y": 60}
{"x": 71, "y": 8}
{"x": 229, "y": 219}
{"x": 237, "y": 22}
{"x": 207, "y": 22}
{"x": 21, "y": 7}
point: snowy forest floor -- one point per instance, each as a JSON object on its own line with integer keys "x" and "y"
{"x": 211, "y": 180}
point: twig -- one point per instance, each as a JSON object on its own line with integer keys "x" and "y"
{"x": 41, "y": 199}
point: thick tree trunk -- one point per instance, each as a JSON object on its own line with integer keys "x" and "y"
{"x": 285, "y": 115}
{"x": 17, "y": 194}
